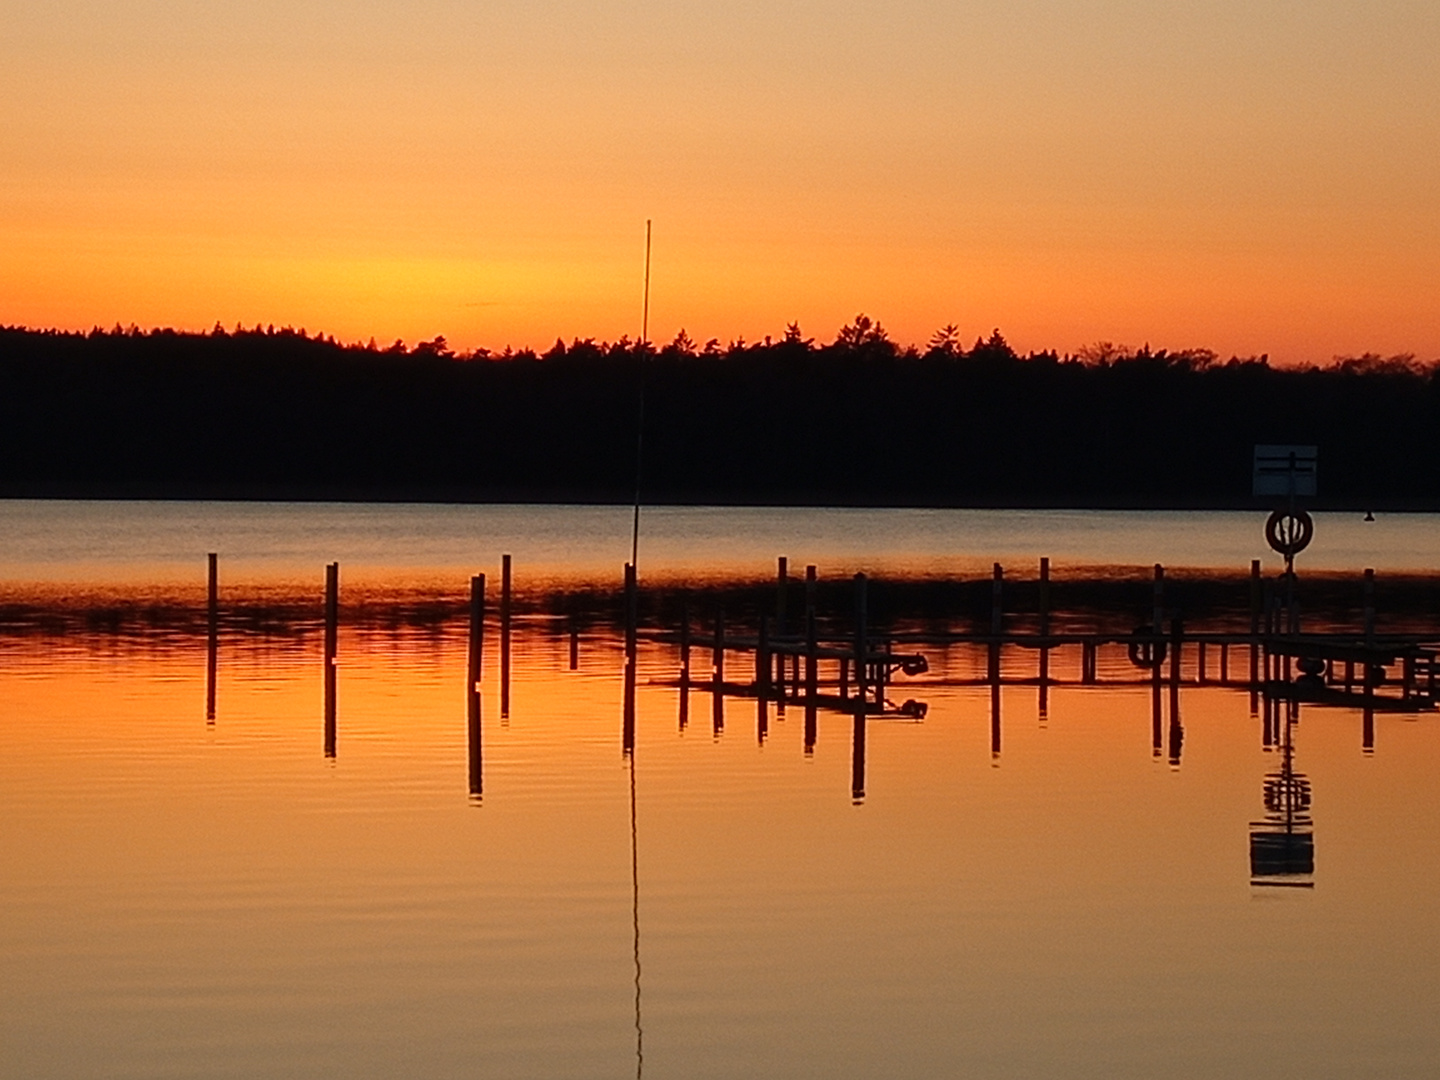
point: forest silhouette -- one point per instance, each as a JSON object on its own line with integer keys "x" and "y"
{"x": 278, "y": 413}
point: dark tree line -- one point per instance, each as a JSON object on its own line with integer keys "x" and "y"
{"x": 861, "y": 420}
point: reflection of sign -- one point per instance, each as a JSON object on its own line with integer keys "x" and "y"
{"x": 1285, "y": 470}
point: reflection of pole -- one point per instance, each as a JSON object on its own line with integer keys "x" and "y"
{"x": 812, "y": 661}
{"x": 1044, "y": 705}
{"x": 684, "y": 662}
{"x": 995, "y": 719}
{"x": 861, "y": 636}
{"x": 332, "y": 620}
{"x": 762, "y": 680}
{"x": 477, "y": 628}
{"x": 1254, "y": 625}
{"x": 504, "y": 636}
{"x": 212, "y": 651}
{"x": 472, "y": 703}
{"x": 718, "y": 668}
{"x": 1177, "y": 734}
{"x": 857, "y": 754}
{"x": 635, "y": 918}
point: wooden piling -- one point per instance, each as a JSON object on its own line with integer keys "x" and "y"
{"x": 574, "y": 641}
{"x": 782, "y": 587}
{"x": 1254, "y": 620}
{"x": 1158, "y": 601}
{"x": 997, "y": 620}
{"x": 631, "y": 612}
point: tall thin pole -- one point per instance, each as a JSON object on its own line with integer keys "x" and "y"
{"x": 645, "y": 310}
{"x": 640, "y": 416}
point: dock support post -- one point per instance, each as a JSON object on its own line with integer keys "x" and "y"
{"x": 997, "y": 621}
{"x": 782, "y": 586}
{"x": 684, "y": 662}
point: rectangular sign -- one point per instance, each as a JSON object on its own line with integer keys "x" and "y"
{"x": 1285, "y": 470}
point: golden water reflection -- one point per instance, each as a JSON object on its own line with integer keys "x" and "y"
{"x": 429, "y": 880}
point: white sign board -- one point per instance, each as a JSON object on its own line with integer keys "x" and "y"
{"x": 1285, "y": 470}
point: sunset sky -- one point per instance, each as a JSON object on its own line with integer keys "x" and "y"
{"x": 1249, "y": 176}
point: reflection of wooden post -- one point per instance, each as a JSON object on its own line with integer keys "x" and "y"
{"x": 718, "y": 669}
{"x": 1254, "y": 620}
{"x": 1367, "y": 742}
{"x": 994, "y": 719}
{"x": 1044, "y": 637}
{"x": 574, "y": 640}
{"x": 1088, "y": 661}
{"x": 762, "y": 677}
{"x": 812, "y": 662}
{"x": 477, "y": 628}
{"x": 684, "y": 662}
{"x": 472, "y": 711}
{"x": 1369, "y": 607}
{"x": 504, "y": 636}
{"x": 627, "y": 734}
{"x": 857, "y": 754}
{"x": 861, "y": 638}
{"x": 332, "y": 636}
{"x": 1177, "y": 638}
{"x": 212, "y": 650}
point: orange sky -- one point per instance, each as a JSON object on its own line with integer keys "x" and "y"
{"x": 1247, "y": 177}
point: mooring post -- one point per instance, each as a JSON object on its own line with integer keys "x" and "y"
{"x": 1088, "y": 662}
{"x": 631, "y": 612}
{"x": 997, "y": 621}
{"x": 1201, "y": 675}
{"x": 782, "y": 586}
{"x": 994, "y": 720}
{"x": 627, "y": 725}
{"x": 1224, "y": 663}
{"x": 1158, "y": 616}
{"x": 212, "y": 642}
{"x": 857, "y": 754}
{"x": 504, "y": 637}
{"x": 861, "y": 639}
{"x": 477, "y": 629}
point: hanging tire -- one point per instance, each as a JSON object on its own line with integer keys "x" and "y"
{"x": 1289, "y": 532}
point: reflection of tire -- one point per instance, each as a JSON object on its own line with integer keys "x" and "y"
{"x": 1289, "y": 531}
{"x": 1145, "y": 649}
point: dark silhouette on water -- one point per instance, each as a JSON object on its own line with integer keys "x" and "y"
{"x": 277, "y": 413}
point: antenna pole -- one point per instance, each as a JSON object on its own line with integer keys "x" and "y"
{"x": 645, "y": 310}
{"x": 640, "y": 418}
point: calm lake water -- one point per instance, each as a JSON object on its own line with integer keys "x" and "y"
{"x": 206, "y": 898}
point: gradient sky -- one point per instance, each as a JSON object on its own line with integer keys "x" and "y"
{"x": 1247, "y": 176}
